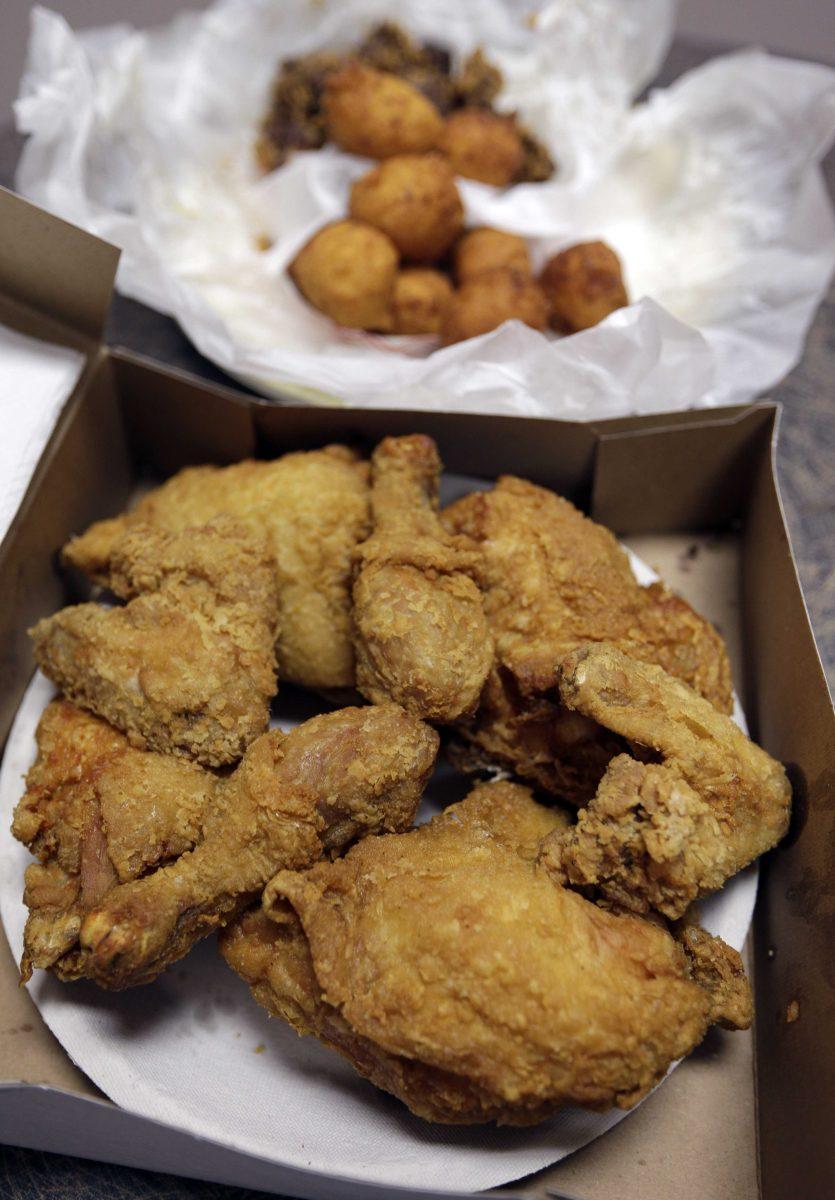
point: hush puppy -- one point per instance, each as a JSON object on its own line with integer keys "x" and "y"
{"x": 482, "y": 145}
{"x": 377, "y": 114}
{"x": 485, "y": 249}
{"x": 413, "y": 199}
{"x": 347, "y": 270}
{"x": 483, "y": 303}
{"x": 421, "y": 297}
{"x": 583, "y": 284}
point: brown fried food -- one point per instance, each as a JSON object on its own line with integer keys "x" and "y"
{"x": 187, "y": 666}
{"x": 295, "y": 120}
{"x": 552, "y": 580}
{"x": 312, "y": 507}
{"x": 421, "y": 297}
{"x": 413, "y": 199}
{"x": 405, "y": 956}
{"x": 484, "y": 249}
{"x": 482, "y": 145}
{"x": 377, "y": 114}
{"x": 96, "y": 812}
{"x": 659, "y": 836}
{"x": 347, "y": 270}
{"x": 479, "y": 82}
{"x": 425, "y": 65}
{"x": 294, "y": 797}
{"x": 491, "y": 298}
{"x": 583, "y": 284}
{"x": 421, "y": 636}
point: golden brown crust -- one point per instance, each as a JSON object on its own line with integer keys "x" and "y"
{"x": 421, "y": 298}
{"x": 489, "y": 299}
{"x": 347, "y": 270}
{"x": 482, "y": 145}
{"x": 481, "y": 250}
{"x": 583, "y": 285}
{"x": 377, "y": 114}
{"x": 413, "y": 199}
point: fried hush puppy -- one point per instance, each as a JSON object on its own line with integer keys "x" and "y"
{"x": 413, "y": 199}
{"x": 347, "y": 270}
{"x": 481, "y": 250}
{"x": 378, "y": 115}
{"x": 482, "y": 145}
{"x": 583, "y": 285}
{"x": 421, "y": 298}
{"x": 484, "y": 303}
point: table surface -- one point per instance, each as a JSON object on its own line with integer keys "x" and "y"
{"x": 806, "y": 469}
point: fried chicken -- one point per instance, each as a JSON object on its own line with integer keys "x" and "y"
{"x": 312, "y": 507}
{"x": 421, "y": 637}
{"x": 187, "y": 666}
{"x": 658, "y": 836}
{"x": 552, "y": 580}
{"x": 293, "y": 798}
{"x": 450, "y": 969}
{"x": 96, "y": 813}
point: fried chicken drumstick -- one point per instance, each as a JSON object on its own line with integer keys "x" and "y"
{"x": 553, "y": 579}
{"x": 312, "y": 508}
{"x": 187, "y": 666}
{"x": 421, "y": 637}
{"x": 451, "y": 970}
{"x": 661, "y": 835}
{"x": 294, "y": 797}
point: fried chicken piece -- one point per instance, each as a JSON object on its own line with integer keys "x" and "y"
{"x": 293, "y": 798}
{"x": 448, "y": 967}
{"x": 553, "y": 579}
{"x": 660, "y": 836}
{"x": 96, "y": 812}
{"x": 311, "y": 506}
{"x": 187, "y": 666}
{"x": 421, "y": 637}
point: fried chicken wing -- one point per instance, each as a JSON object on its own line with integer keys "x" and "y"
{"x": 312, "y": 507}
{"x": 96, "y": 812}
{"x": 187, "y": 666}
{"x": 553, "y": 579}
{"x": 448, "y": 967}
{"x": 658, "y": 836}
{"x": 421, "y": 637}
{"x": 294, "y": 797}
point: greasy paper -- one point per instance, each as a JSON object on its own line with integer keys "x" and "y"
{"x": 710, "y": 192}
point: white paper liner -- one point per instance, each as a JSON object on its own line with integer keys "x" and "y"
{"x": 710, "y": 192}
{"x": 195, "y": 1051}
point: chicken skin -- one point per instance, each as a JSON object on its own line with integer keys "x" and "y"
{"x": 421, "y": 636}
{"x": 294, "y": 797}
{"x": 659, "y": 836}
{"x": 451, "y": 970}
{"x": 553, "y": 579}
{"x": 96, "y": 813}
{"x": 187, "y": 666}
{"x": 312, "y": 507}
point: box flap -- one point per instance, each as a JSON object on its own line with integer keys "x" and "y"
{"x": 32, "y": 241}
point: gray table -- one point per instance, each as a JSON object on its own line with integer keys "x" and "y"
{"x": 806, "y": 465}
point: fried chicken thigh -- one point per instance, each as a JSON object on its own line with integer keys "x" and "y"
{"x": 552, "y": 580}
{"x": 294, "y": 797}
{"x": 421, "y": 636}
{"x": 450, "y": 969}
{"x": 187, "y": 666}
{"x": 96, "y": 813}
{"x": 658, "y": 836}
{"x": 312, "y": 508}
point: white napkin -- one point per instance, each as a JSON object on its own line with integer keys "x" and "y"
{"x": 711, "y": 192}
{"x": 36, "y": 380}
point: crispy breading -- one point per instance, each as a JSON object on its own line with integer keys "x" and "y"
{"x": 552, "y": 580}
{"x": 294, "y": 797}
{"x": 311, "y": 506}
{"x": 188, "y": 664}
{"x": 421, "y": 637}
{"x": 660, "y": 836}
{"x": 450, "y": 969}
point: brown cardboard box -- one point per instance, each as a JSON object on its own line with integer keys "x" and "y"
{"x": 655, "y": 480}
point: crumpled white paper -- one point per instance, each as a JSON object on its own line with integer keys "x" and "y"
{"x": 194, "y": 1050}
{"x": 36, "y": 380}
{"x": 710, "y": 192}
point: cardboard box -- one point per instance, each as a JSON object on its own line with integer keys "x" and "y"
{"x": 655, "y": 481}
